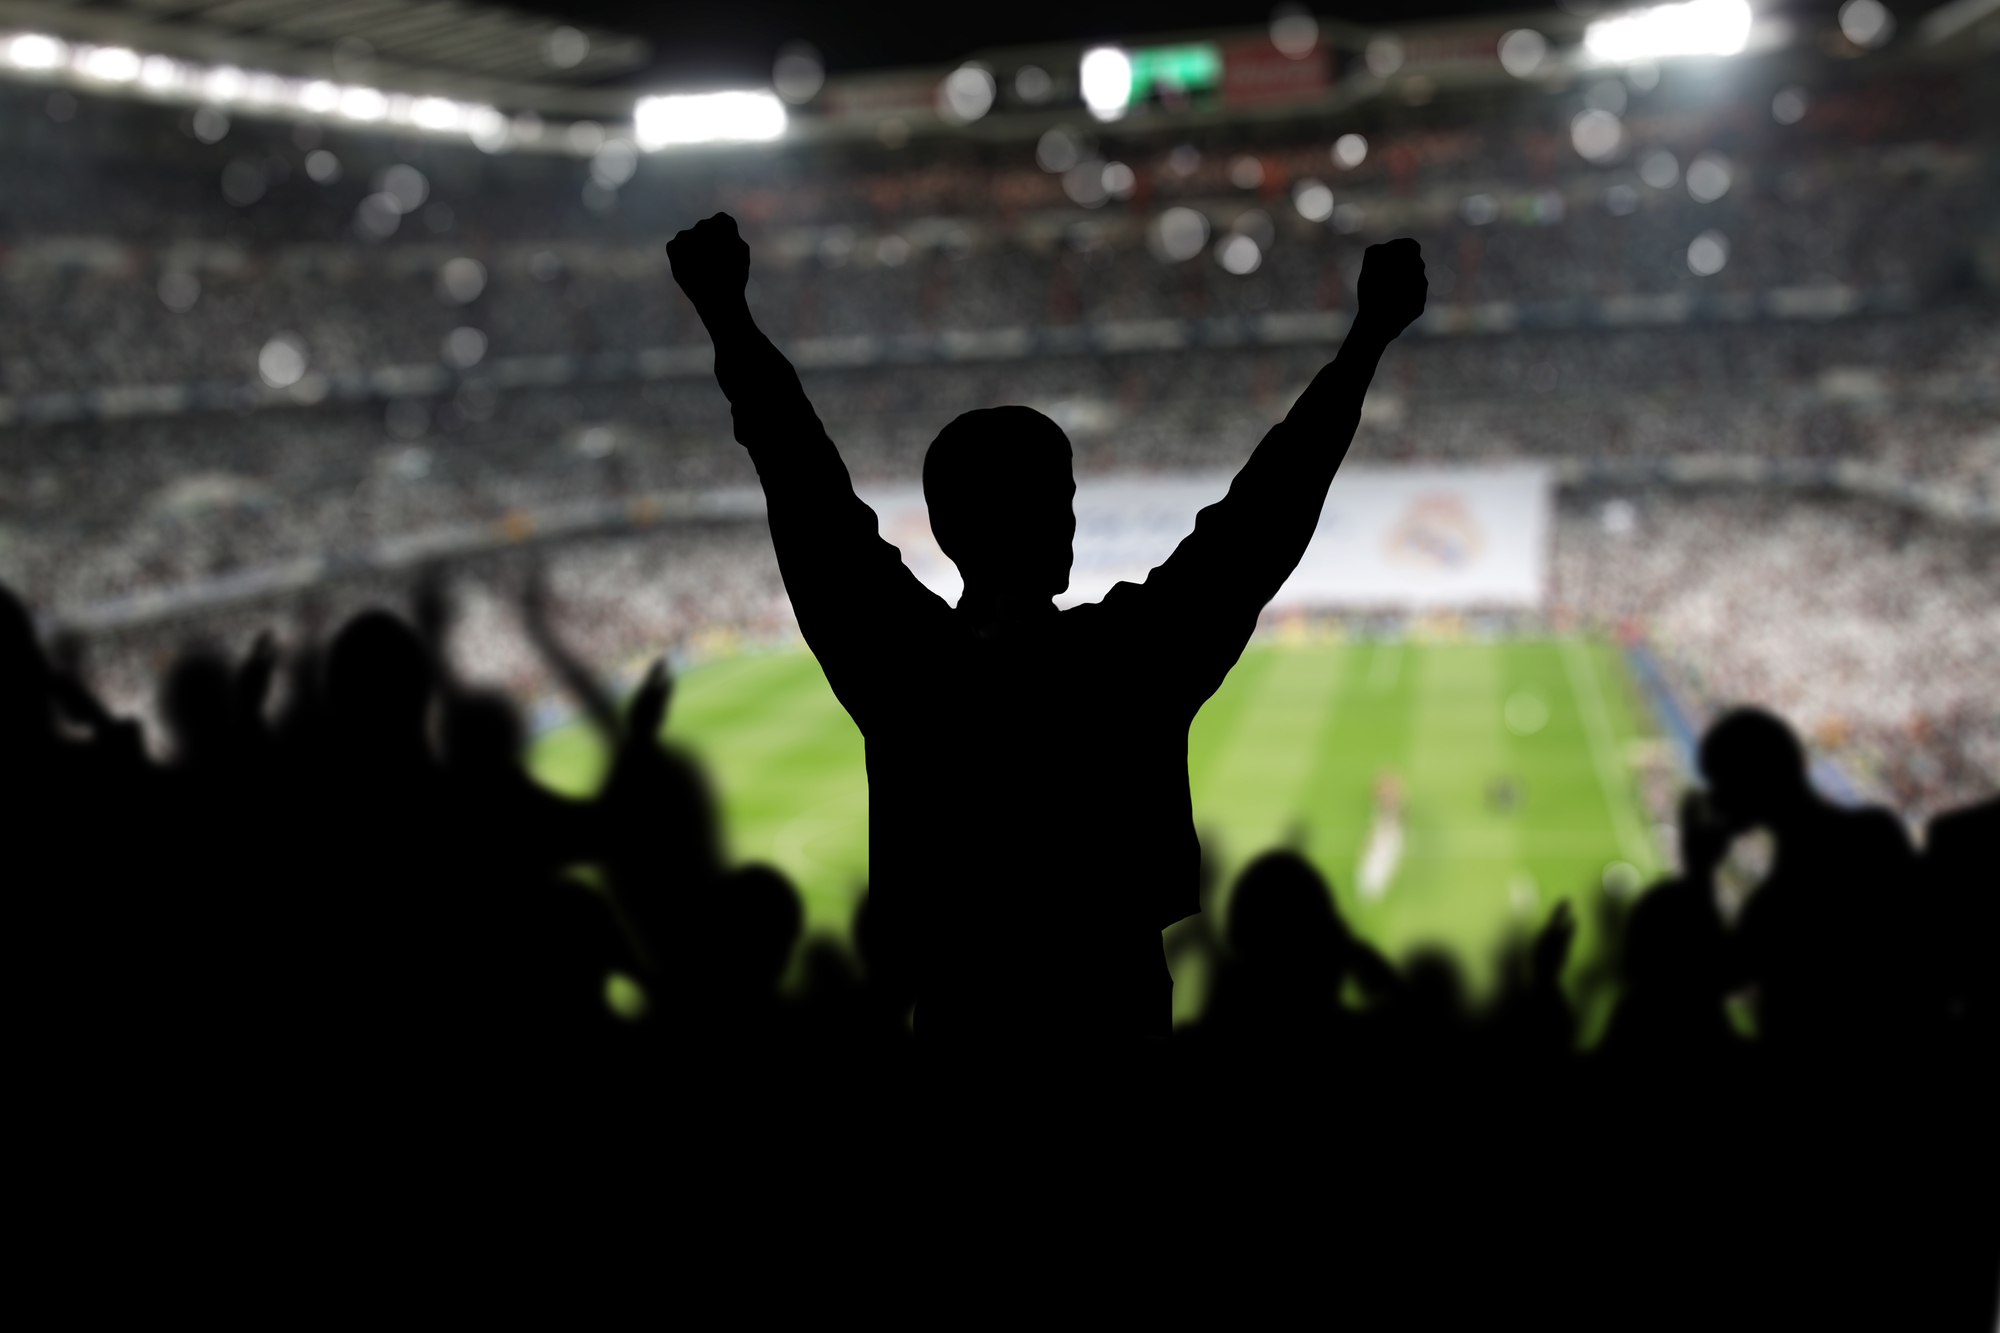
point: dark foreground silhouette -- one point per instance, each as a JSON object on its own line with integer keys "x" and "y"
{"x": 1010, "y": 744}
{"x": 327, "y": 932}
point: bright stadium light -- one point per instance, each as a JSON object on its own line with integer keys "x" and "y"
{"x": 1106, "y": 78}
{"x": 437, "y": 113}
{"x": 487, "y": 128}
{"x": 691, "y": 118}
{"x": 224, "y": 84}
{"x": 212, "y": 87}
{"x": 268, "y": 90}
{"x": 33, "y": 50}
{"x": 112, "y": 64}
{"x": 159, "y": 73}
{"x": 1697, "y": 28}
{"x": 362, "y": 104}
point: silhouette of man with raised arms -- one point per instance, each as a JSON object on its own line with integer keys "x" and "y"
{"x": 1030, "y": 829}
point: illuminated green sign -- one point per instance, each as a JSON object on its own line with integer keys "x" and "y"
{"x": 1184, "y": 69}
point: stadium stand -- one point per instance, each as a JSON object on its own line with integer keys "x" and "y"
{"x": 1848, "y": 345}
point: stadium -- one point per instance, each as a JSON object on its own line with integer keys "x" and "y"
{"x": 314, "y": 312}
{"x": 306, "y": 312}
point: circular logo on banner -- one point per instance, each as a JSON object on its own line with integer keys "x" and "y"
{"x": 1436, "y": 533}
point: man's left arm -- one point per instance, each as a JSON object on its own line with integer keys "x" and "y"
{"x": 1246, "y": 545}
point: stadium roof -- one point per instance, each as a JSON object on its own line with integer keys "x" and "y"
{"x": 458, "y": 68}
{"x": 444, "y": 47}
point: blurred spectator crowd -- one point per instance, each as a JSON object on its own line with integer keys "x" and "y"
{"x": 158, "y": 263}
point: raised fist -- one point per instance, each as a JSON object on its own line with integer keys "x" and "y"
{"x": 1393, "y": 287}
{"x": 710, "y": 262}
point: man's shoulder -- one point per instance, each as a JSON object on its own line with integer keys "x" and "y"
{"x": 1970, "y": 826}
{"x": 1881, "y": 830}
{"x": 1123, "y": 597}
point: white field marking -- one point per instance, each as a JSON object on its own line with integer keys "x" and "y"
{"x": 1524, "y": 895}
{"x": 1385, "y": 667}
{"x": 1597, "y": 725}
{"x": 1384, "y": 854}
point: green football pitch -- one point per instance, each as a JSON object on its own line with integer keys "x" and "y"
{"x": 1511, "y": 756}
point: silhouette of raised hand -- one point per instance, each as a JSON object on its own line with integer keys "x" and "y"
{"x": 251, "y": 685}
{"x": 649, "y": 705}
{"x": 1553, "y": 944}
{"x": 575, "y": 676}
{"x": 1393, "y": 288}
{"x": 119, "y": 737}
{"x": 711, "y": 262}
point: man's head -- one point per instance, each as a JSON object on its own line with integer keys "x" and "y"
{"x": 999, "y": 488}
{"x": 378, "y": 684}
{"x": 1755, "y": 767}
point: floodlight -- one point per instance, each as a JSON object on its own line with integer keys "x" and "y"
{"x": 269, "y": 90}
{"x": 1697, "y": 28}
{"x": 159, "y": 73}
{"x": 225, "y": 83}
{"x": 690, "y": 118}
{"x": 363, "y": 104}
{"x": 487, "y": 128}
{"x": 113, "y": 64}
{"x": 217, "y": 86}
{"x": 1106, "y": 77}
{"x": 437, "y": 113}
{"x": 32, "y": 50}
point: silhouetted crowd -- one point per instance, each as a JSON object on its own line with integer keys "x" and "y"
{"x": 342, "y": 890}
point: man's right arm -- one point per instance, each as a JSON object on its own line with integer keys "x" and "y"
{"x": 849, "y": 588}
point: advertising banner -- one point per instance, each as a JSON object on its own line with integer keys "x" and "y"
{"x": 1389, "y": 538}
